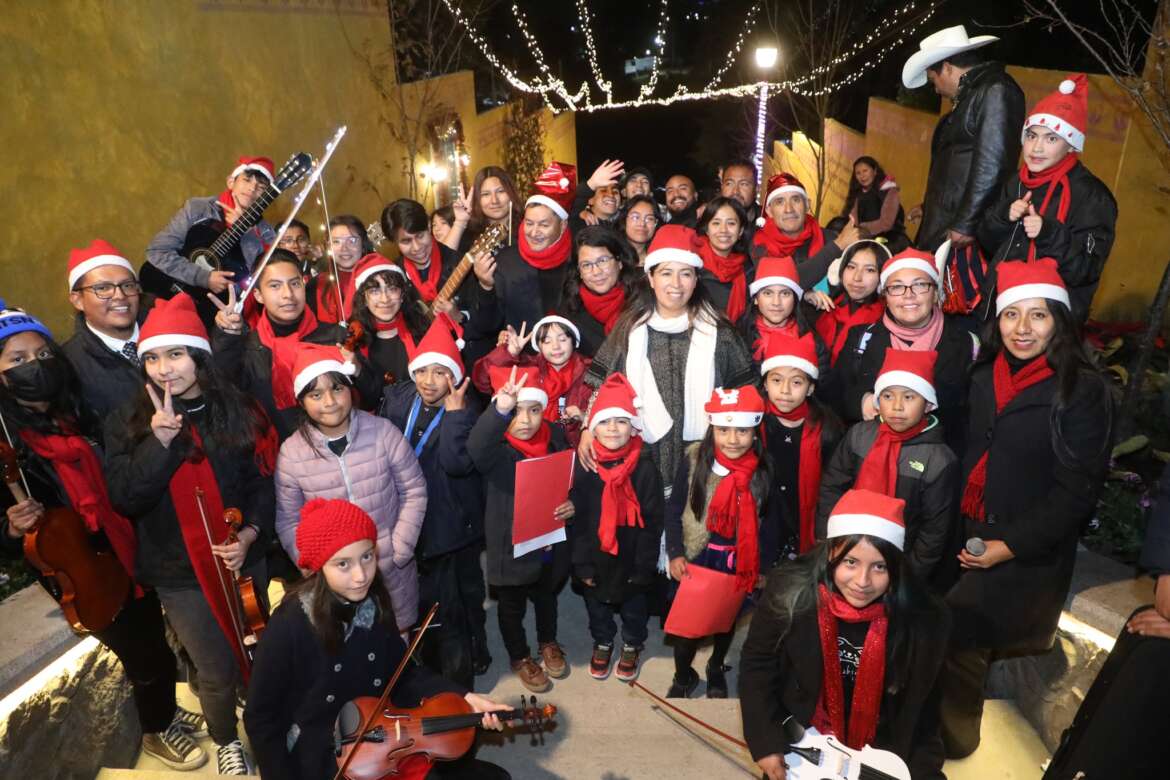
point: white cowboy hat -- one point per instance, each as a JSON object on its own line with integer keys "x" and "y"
{"x": 936, "y": 48}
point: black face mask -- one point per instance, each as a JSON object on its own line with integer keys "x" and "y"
{"x": 39, "y": 380}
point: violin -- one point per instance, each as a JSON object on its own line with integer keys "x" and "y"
{"x": 354, "y": 342}
{"x": 255, "y": 613}
{"x": 92, "y": 584}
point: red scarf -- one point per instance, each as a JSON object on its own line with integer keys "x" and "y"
{"x": 536, "y": 447}
{"x": 865, "y": 709}
{"x": 1055, "y": 177}
{"x": 196, "y": 474}
{"x": 834, "y": 326}
{"x": 402, "y": 332}
{"x": 80, "y": 472}
{"x": 809, "y": 478}
{"x": 606, "y": 307}
{"x": 327, "y": 306}
{"x": 879, "y": 470}
{"x": 284, "y": 354}
{"x": 1007, "y": 387}
{"x": 552, "y": 256}
{"x": 766, "y": 332}
{"x": 429, "y": 289}
{"x": 732, "y": 513}
{"x": 776, "y": 244}
{"x": 619, "y": 502}
{"x": 227, "y": 202}
{"x": 558, "y": 381}
{"x": 726, "y": 269}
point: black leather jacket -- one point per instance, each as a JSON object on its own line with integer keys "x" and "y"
{"x": 975, "y": 148}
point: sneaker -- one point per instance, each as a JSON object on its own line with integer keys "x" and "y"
{"x": 717, "y": 681}
{"x": 232, "y": 760}
{"x": 682, "y": 689}
{"x": 531, "y": 675}
{"x": 627, "y": 665}
{"x": 481, "y": 659}
{"x": 191, "y": 722}
{"x": 554, "y": 660}
{"x": 599, "y": 663}
{"x": 175, "y": 748}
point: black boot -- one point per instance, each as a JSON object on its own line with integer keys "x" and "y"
{"x": 682, "y": 688}
{"x": 717, "y": 681}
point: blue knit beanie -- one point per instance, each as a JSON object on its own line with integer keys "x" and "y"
{"x": 13, "y": 321}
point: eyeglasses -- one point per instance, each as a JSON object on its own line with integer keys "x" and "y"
{"x": 383, "y": 292}
{"x": 919, "y": 288}
{"x": 595, "y": 265}
{"x": 346, "y": 241}
{"x": 640, "y": 219}
{"x": 297, "y": 240}
{"x": 104, "y": 291}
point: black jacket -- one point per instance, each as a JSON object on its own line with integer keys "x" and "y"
{"x": 454, "y": 517}
{"x": 496, "y": 461}
{"x": 1080, "y": 245}
{"x": 592, "y": 331}
{"x": 295, "y": 682}
{"x": 928, "y": 474}
{"x": 105, "y": 378}
{"x": 974, "y": 149}
{"x": 750, "y": 332}
{"x": 810, "y": 269}
{"x": 524, "y": 294}
{"x": 139, "y": 473}
{"x": 782, "y": 671}
{"x": 634, "y": 567}
{"x": 1045, "y": 469}
{"x": 787, "y": 480}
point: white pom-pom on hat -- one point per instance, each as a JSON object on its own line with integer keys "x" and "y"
{"x": 1067, "y": 87}
{"x": 564, "y": 182}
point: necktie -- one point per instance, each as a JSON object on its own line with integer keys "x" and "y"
{"x": 130, "y": 352}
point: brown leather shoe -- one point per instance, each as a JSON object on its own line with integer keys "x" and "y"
{"x": 531, "y": 675}
{"x": 554, "y": 660}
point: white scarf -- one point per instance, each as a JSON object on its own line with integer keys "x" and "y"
{"x": 699, "y": 381}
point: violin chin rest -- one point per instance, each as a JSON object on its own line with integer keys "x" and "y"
{"x": 349, "y": 720}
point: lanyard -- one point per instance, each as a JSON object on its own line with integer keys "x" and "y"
{"x": 412, "y": 417}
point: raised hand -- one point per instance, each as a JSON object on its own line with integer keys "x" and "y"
{"x": 609, "y": 173}
{"x": 456, "y": 399}
{"x": 507, "y": 395}
{"x": 588, "y": 217}
{"x": 164, "y": 423}
{"x": 1033, "y": 222}
{"x": 516, "y": 341}
{"x": 848, "y": 234}
{"x": 1020, "y": 207}
{"x": 219, "y": 281}
{"x": 484, "y": 266}
{"x": 462, "y": 207}
{"x": 819, "y": 300}
{"x": 227, "y": 318}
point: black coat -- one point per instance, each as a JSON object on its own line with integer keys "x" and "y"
{"x": 592, "y": 331}
{"x": 974, "y": 149}
{"x": 787, "y": 482}
{"x": 105, "y": 378}
{"x": 634, "y": 567}
{"x": 810, "y": 269}
{"x": 750, "y": 332}
{"x": 1037, "y": 498}
{"x": 496, "y": 461}
{"x": 1080, "y": 245}
{"x": 295, "y": 682}
{"x": 782, "y": 670}
{"x": 454, "y": 517}
{"x": 524, "y": 293}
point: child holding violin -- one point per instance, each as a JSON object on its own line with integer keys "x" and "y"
{"x": 333, "y": 639}
{"x": 187, "y": 448}
{"x": 60, "y": 467}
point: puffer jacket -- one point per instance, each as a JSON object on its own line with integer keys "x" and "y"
{"x": 379, "y": 472}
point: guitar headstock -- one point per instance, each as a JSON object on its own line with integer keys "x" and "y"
{"x": 375, "y": 233}
{"x": 293, "y": 171}
{"x": 493, "y": 236}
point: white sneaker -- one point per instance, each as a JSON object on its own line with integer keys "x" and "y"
{"x": 175, "y": 748}
{"x": 191, "y": 722}
{"x": 232, "y": 759}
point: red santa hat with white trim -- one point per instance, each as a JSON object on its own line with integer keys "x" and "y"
{"x": 616, "y": 398}
{"x": 739, "y": 407}
{"x": 673, "y": 244}
{"x": 371, "y": 264}
{"x": 440, "y": 345}
{"x": 314, "y": 360}
{"x": 909, "y": 258}
{"x": 1064, "y": 112}
{"x": 260, "y": 165}
{"x": 1017, "y": 281}
{"x": 97, "y": 254}
{"x": 173, "y": 323}
{"x": 777, "y": 270}
{"x": 864, "y": 512}
{"x": 795, "y": 352}
{"x": 913, "y": 369}
{"x": 780, "y": 184}
{"x": 529, "y": 393}
{"x": 551, "y": 319}
{"x": 555, "y": 188}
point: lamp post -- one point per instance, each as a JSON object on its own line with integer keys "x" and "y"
{"x": 766, "y": 57}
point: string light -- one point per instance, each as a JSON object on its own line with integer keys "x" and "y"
{"x": 550, "y": 81}
{"x": 748, "y": 25}
{"x": 586, "y": 20}
{"x": 659, "y": 40}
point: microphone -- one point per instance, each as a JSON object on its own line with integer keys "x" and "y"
{"x": 976, "y": 546}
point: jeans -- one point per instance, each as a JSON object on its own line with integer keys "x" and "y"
{"x": 137, "y": 637}
{"x": 512, "y": 603}
{"x": 603, "y": 628}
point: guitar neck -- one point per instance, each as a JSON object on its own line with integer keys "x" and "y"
{"x": 454, "y": 280}
{"x": 228, "y": 239}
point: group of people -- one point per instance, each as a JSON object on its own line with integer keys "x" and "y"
{"x": 887, "y": 450}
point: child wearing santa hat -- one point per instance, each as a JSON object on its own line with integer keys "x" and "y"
{"x": 1054, "y": 206}
{"x": 617, "y": 529}
{"x": 185, "y": 449}
{"x": 848, "y": 641}
{"x": 392, "y": 317}
{"x": 512, "y": 429}
{"x": 901, "y": 453}
{"x": 775, "y": 307}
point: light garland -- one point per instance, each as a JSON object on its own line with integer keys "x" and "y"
{"x": 748, "y": 25}
{"x": 660, "y": 39}
{"x": 553, "y": 83}
{"x": 586, "y": 20}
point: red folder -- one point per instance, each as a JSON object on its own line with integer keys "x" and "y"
{"x": 707, "y": 603}
{"x": 542, "y": 484}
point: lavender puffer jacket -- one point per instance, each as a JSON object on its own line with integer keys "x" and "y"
{"x": 379, "y": 472}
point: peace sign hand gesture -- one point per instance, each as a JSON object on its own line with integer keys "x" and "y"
{"x": 227, "y": 318}
{"x": 516, "y": 341}
{"x": 506, "y": 397}
{"x": 456, "y": 399}
{"x": 165, "y": 423}
{"x": 462, "y": 207}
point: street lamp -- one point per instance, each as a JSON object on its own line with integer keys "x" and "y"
{"x": 766, "y": 57}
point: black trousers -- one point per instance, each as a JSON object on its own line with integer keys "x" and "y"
{"x": 455, "y": 581}
{"x": 685, "y": 649}
{"x": 962, "y": 679}
{"x": 512, "y": 603}
{"x": 138, "y": 637}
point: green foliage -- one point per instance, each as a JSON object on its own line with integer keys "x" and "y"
{"x": 1120, "y": 525}
{"x": 523, "y": 147}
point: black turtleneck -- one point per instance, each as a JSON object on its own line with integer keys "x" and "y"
{"x": 285, "y": 330}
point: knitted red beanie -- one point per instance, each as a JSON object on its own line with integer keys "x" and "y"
{"x": 326, "y": 526}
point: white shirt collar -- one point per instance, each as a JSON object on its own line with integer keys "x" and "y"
{"x": 113, "y": 344}
{"x": 719, "y": 469}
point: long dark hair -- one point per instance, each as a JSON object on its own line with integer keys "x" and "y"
{"x": 305, "y": 424}
{"x": 643, "y": 304}
{"x": 713, "y": 206}
{"x": 411, "y": 308}
{"x": 478, "y": 220}
{"x": 1065, "y": 354}
{"x": 799, "y": 313}
{"x": 624, "y": 214}
{"x": 761, "y": 480}
{"x": 66, "y": 411}
{"x": 818, "y": 411}
{"x": 879, "y": 176}
{"x": 600, "y": 237}
{"x": 329, "y": 613}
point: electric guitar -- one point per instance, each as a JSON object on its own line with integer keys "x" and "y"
{"x": 819, "y": 756}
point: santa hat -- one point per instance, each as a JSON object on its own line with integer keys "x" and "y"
{"x": 1064, "y": 112}
{"x": 777, "y": 270}
{"x": 781, "y": 184}
{"x": 864, "y": 512}
{"x": 909, "y": 258}
{"x": 1017, "y": 281}
{"x": 797, "y": 352}
{"x": 740, "y": 407}
{"x": 569, "y": 328}
{"x": 97, "y": 254}
{"x": 673, "y": 244}
{"x": 260, "y": 165}
{"x": 616, "y": 398}
{"x": 907, "y": 368}
{"x": 13, "y": 321}
{"x": 313, "y": 360}
{"x": 530, "y": 392}
{"x": 327, "y": 525}
{"x": 555, "y": 188}
{"x": 371, "y": 264}
{"x": 173, "y": 323}
{"x": 439, "y": 346}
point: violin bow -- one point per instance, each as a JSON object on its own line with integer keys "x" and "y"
{"x": 220, "y": 567}
{"x": 386, "y": 693}
{"x": 332, "y": 256}
{"x": 687, "y": 715}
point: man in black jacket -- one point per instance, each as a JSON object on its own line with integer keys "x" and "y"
{"x": 975, "y": 146}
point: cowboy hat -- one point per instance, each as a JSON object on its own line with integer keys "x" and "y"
{"x": 936, "y": 48}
